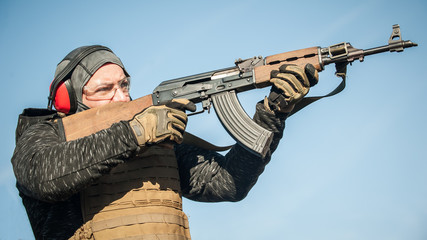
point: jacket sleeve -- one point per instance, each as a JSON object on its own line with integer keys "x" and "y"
{"x": 211, "y": 177}
{"x": 50, "y": 169}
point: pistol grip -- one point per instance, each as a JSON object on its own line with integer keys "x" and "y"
{"x": 239, "y": 125}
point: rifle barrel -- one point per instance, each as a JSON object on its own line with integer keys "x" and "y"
{"x": 389, "y": 47}
{"x": 355, "y": 53}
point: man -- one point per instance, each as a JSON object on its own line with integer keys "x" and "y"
{"x": 127, "y": 181}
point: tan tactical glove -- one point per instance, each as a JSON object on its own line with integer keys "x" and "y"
{"x": 290, "y": 85}
{"x": 164, "y": 122}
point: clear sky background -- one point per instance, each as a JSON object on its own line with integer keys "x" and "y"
{"x": 352, "y": 166}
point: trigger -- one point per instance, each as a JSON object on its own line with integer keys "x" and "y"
{"x": 206, "y": 106}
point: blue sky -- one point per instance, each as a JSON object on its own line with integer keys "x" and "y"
{"x": 352, "y": 166}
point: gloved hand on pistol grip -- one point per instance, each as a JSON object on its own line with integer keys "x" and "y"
{"x": 164, "y": 122}
{"x": 290, "y": 84}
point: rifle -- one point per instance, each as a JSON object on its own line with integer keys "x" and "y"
{"x": 220, "y": 87}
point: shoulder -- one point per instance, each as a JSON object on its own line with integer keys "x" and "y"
{"x": 37, "y": 123}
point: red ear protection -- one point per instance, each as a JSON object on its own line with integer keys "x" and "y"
{"x": 65, "y": 100}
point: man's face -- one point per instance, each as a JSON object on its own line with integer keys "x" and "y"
{"x": 108, "y": 84}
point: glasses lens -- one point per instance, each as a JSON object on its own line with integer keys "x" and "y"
{"x": 106, "y": 91}
{"x": 125, "y": 85}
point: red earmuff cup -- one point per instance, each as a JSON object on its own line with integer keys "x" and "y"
{"x": 62, "y": 101}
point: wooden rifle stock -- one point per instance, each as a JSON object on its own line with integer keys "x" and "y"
{"x": 96, "y": 119}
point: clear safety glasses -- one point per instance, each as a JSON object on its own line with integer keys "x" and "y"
{"x": 106, "y": 90}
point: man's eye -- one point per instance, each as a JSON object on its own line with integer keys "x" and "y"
{"x": 103, "y": 89}
{"x": 124, "y": 85}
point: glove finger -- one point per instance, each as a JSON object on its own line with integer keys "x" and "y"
{"x": 171, "y": 132}
{"x": 297, "y": 71}
{"x": 312, "y": 74}
{"x": 274, "y": 73}
{"x": 181, "y": 104}
{"x": 177, "y": 122}
{"x": 285, "y": 87}
{"x": 180, "y": 127}
{"x": 177, "y": 116}
{"x": 176, "y": 135}
{"x": 292, "y": 81}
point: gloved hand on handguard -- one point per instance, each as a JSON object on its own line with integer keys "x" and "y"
{"x": 290, "y": 84}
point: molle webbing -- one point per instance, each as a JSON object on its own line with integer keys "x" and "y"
{"x": 140, "y": 199}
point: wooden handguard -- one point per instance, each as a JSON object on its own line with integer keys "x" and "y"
{"x": 96, "y": 119}
{"x": 299, "y": 57}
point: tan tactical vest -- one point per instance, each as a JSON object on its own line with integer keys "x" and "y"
{"x": 140, "y": 199}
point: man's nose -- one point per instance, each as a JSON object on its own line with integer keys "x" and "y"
{"x": 121, "y": 96}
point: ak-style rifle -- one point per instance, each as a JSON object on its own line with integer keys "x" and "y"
{"x": 219, "y": 88}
